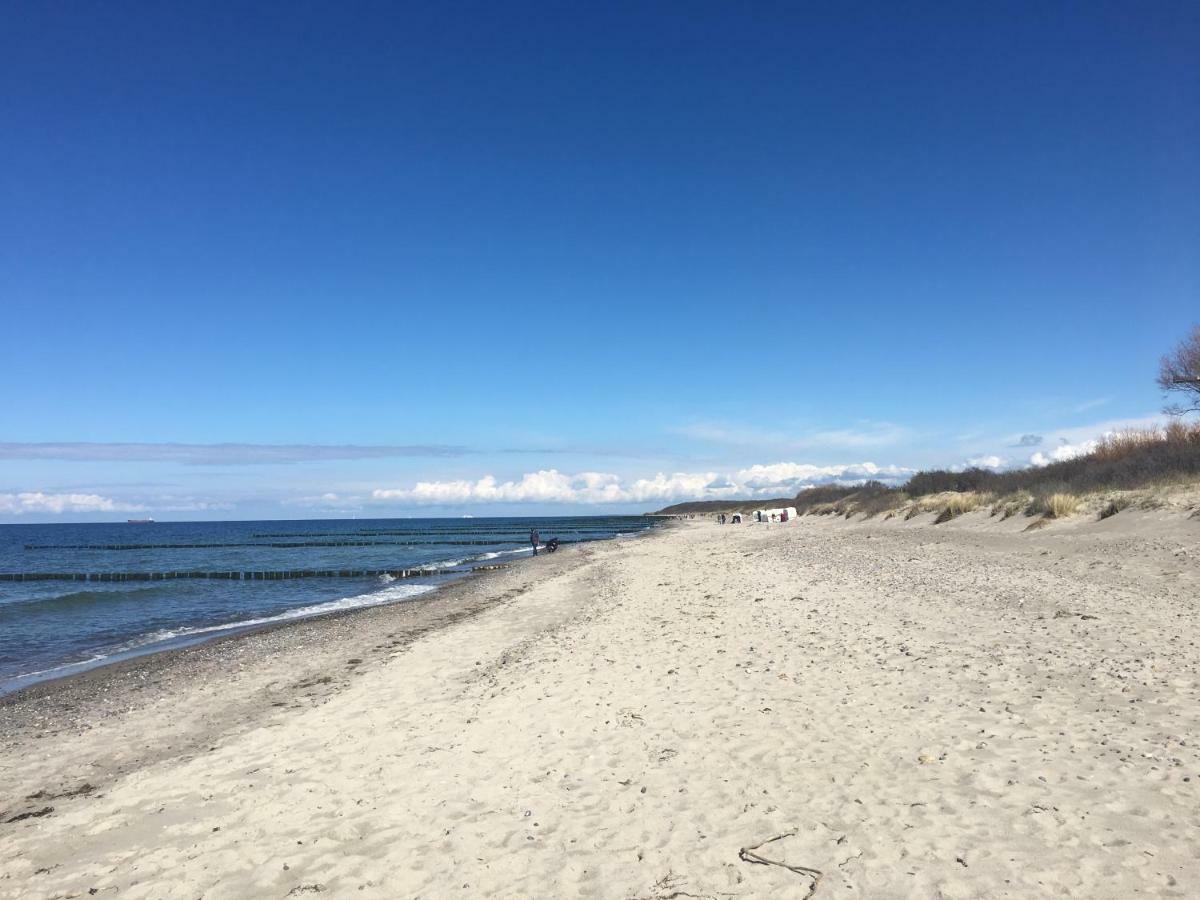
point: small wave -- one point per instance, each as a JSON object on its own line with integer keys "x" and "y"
{"x": 146, "y": 642}
{"x": 495, "y": 553}
{"x": 478, "y": 557}
{"x": 63, "y": 669}
{"x": 23, "y": 606}
{"x": 376, "y": 598}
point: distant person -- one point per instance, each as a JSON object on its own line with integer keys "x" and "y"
{"x": 534, "y": 539}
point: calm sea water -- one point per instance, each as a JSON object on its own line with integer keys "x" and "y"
{"x": 50, "y": 628}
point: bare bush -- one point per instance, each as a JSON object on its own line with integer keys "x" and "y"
{"x": 1121, "y": 461}
{"x": 1113, "y": 507}
{"x": 824, "y": 496}
{"x": 1179, "y": 375}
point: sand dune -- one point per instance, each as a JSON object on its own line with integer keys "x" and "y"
{"x": 964, "y": 710}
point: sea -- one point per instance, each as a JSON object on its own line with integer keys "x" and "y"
{"x": 118, "y": 590}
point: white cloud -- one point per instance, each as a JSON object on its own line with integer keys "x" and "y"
{"x": 39, "y": 502}
{"x": 987, "y": 462}
{"x": 548, "y": 486}
{"x": 1063, "y": 452}
{"x": 682, "y": 486}
{"x": 792, "y": 475}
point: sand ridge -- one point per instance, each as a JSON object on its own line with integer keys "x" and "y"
{"x": 960, "y": 711}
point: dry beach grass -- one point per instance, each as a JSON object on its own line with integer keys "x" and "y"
{"x": 843, "y": 708}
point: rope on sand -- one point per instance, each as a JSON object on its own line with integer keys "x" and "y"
{"x": 748, "y": 854}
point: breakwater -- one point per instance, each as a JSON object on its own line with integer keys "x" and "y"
{"x": 70, "y": 593}
{"x": 292, "y": 545}
{"x": 256, "y": 575}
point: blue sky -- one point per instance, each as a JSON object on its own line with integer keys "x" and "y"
{"x": 604, "y": 255}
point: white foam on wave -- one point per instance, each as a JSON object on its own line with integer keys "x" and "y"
{"x": 375, "y": 598}
{"x": 79, "y": 664}
{"x": 479, "y": 557}
{"x": 495, "y": 553}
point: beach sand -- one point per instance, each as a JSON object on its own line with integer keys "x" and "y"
{"x": 963, "y": 710}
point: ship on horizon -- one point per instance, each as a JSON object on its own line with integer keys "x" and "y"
{"x": 140, "y": 521}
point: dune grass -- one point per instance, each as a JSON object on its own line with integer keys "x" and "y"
{"x": 955, "y": 505}
{"x": 946, "y": 505}
{"x": 1010, "y": 504}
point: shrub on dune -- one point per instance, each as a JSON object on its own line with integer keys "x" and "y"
{"x": 1113, "y": 507}
{"x": 881, "y": 503}
{"x": 1123, "y": 460}
{"x": 1055, "y": 506}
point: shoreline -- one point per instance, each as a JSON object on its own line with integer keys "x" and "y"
{"x": 220, "y": 632}
{"x": 43, "y": 681}
{"x": 306, "y": 649}
{"x": 45, "y": 688}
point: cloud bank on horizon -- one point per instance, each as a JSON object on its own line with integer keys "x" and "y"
{"x": 545, "y": 486}
{"x": 552, "y": 486}
{"x": 542, "y": 487}
{"x": 26, "y": 502}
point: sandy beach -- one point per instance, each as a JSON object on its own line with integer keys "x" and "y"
{"x": 876, "y": 709}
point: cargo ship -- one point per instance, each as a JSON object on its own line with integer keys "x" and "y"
{"x": 140, "y": 521}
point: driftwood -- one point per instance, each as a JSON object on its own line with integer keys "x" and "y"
{"x": 750, "y": 854}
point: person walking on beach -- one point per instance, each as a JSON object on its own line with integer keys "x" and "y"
{"x": 535, "y": 539}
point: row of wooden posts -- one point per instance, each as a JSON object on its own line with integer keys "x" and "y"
{"x": 243, "y": 576}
